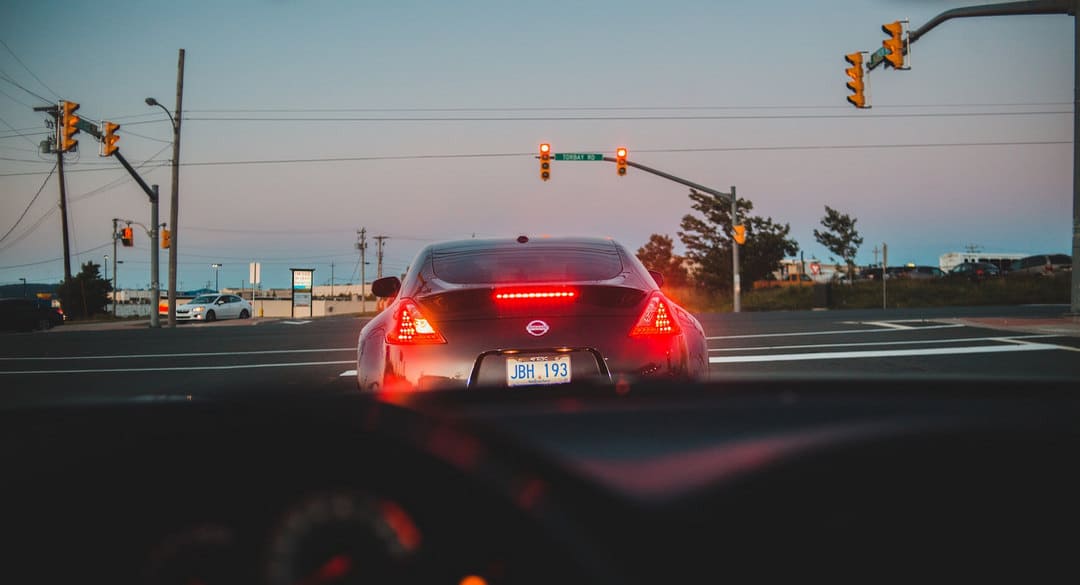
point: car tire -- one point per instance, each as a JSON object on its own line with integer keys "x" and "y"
{"x": 210, "y": 316}
{"x": 244, "y": 314}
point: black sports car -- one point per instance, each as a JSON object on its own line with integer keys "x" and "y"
{"x": 526, "y": 311}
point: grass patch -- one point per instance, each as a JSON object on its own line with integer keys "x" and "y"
{"x": 1014, "y": 290}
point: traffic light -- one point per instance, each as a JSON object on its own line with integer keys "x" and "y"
{"x": 545, "y": 161}
{"x": 109, "y": 140}
{"x": 855, "y": 72}
{"x": 127, "y": 237}
{"x": 740, "y": 234}
{"x": 165, "y": 241}
{"x": 894, "y": 44}
{"x": 620, "y": 159}
{"x": 69, "y": 126}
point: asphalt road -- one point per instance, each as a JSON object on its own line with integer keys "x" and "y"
{"x": 88, "y": 363}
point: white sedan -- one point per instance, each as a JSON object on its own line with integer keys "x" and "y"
{"x": 213, "y": 307}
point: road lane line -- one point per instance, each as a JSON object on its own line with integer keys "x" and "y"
{"x": 1017, "y": 339}
{"x": 183, "y": 368}
{"x": 888, "y": 324}
{"x": 791, "y": 357}
{"x": 173, "y": 355}
{"x": 860, "y": 344}
{"x": 347, "y": 373}
{"x": 838, "y": 332}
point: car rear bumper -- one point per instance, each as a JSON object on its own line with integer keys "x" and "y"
{"x": 438, "y": 367}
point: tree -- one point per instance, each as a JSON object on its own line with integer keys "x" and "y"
{"x": 658, "y": 255}
{"x": 708, "y": 242}
{"x": 840, "y": 237}
{"x": 85, "y": 294}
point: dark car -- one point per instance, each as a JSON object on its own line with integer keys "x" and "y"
{"x": 19, "y": 314}
{"x": 1042, "y": 264}
{"x": 525, "y": 311}
{"x": 975, "y": 271}
{"x": 924, "y": 273}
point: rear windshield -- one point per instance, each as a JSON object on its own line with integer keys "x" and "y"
{"x": 526, "y": 265}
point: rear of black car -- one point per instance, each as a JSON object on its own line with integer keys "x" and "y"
{"x": 528, "y": 312}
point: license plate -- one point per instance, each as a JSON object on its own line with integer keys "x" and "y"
{"x": 537, "y": 370}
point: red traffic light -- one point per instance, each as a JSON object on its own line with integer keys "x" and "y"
{"x": 545, "y": 161}
{"x": 620, "y": 159}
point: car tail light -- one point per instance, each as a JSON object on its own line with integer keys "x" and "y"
{"x": 410, "y": 327}
{"x": 539, "y": 294}
{"x": 657, "y": 319}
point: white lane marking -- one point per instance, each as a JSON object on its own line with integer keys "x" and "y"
{"x": 347, "y": 373}
{"x": 838, "y": 332}
{"x": 296, "y": 322}
{"x": 862, "y": 343}
{"x": 1017, "y": 339}
{"x": 888, "y": 324}
{"x": 183, "y": 368}
{"x": 792, "y": 357}
{"x": 172, "y": 355}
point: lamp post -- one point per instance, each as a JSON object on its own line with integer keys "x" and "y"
{"x": 23, "y": 287}
{"x": 174, "y": 222}
{"x": 217, "y": 271}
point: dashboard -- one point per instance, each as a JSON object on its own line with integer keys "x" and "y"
{"x": 589, "y": 484}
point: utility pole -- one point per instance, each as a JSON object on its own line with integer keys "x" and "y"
{"x": 331, "y": 280}
{"x": 378, "y": 252}
{"x": 114, "y": 266}
{"x": 63, "y": 211}
{"x": 884, "y": 262}
{"x": 876, "y": 251}
{"x": 361, "y": 244}
{"x": 736, "y": 301}
{"x": 155, "y": 286}
{"x": 54, "y": 111}
{"x": 174, "y": 200}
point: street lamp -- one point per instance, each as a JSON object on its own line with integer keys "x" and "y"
{"x": 174, "y": 207}
{"x": 23, "y": 287}
{"x": 217, "y": 271}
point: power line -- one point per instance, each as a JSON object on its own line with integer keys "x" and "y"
{"x": 339, "y": 119}
{"x": 531, "y": 154}
{"x": 38, "y": 79}
{"x": 94, "y": 249}
{"x": 28, "y": 205}
{"x": 17, "y": 132}
{"x": 119, "y": 180}
{"x": 4, "y": 76}
{"x": 618, "y": 108}
{"x": 14, "y": 99}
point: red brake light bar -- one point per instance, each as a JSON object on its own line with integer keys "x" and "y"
{"x": 534, "y": 295}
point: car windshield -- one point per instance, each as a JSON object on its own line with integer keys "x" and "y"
{"x": 284, "y": 156}
{"x": 546, "y": 247}
{"x": 525, "y": 265}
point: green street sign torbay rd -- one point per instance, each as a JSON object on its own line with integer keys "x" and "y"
{"x": 578, "y": 156}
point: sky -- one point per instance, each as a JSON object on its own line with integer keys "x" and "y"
{"x": 306, "y": 120}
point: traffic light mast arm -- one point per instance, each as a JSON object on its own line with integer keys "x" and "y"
{"x": 680, "y": 180}
{"x": 134, "y": 175}
{"x": 1006, "y": 9}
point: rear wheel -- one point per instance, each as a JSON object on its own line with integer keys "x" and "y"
{"x": 244, "y": 314}
{"x": 210, "y": 316}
